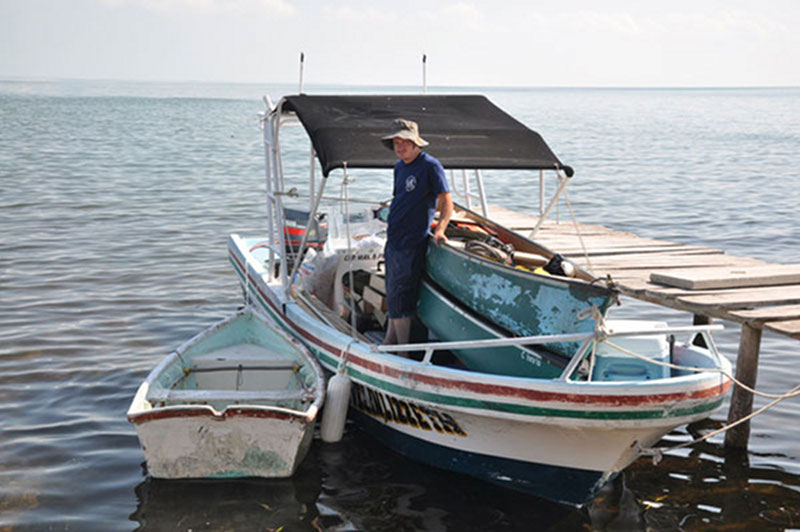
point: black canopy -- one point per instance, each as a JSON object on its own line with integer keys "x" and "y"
{"x": 464, "y": 131}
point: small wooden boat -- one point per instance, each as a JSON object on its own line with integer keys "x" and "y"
{"x": 238, "y": 400}
{"x": 515, "y": 294}
{"x": 450, "y": 321}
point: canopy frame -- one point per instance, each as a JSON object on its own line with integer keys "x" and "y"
{"x": 466, "y": 132}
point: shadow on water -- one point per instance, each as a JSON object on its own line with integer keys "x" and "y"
{"x": 359, "y": 485}
{"x": 713, "y": 488}
{"x": 244, "y": 504}
{"x": 356, "y": 484}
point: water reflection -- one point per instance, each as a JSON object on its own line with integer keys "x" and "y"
{"x": 246, "y": 504}
{"x": 710, "y": 487}
{"x": 115, "y": 220}
{"x": 358, "y": 484}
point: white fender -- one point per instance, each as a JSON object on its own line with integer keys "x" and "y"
{"x": 337, "y": 399}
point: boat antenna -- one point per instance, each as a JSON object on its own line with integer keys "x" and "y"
{"x": 302, "y": 60}
{"x": 424, "y": 74}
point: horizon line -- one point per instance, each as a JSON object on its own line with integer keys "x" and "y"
{"x": 45, "y": 79}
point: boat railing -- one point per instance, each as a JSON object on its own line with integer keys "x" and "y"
{"x": 586, "y": 340}
{"x": 465, "y": 193}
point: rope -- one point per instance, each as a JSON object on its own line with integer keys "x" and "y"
{"x": 603, "y": 337}
{"x": 293, "y": 193}
{"x": 658, "y": 453}
{"x": 708, "y": 370}
{"x": 578, "y": 231}
{"x": 343, "y": 357}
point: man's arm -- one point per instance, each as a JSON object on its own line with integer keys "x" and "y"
{"x": 444, "y": 204}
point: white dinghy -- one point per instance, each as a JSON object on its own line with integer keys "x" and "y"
{"x": 238, "y": 400}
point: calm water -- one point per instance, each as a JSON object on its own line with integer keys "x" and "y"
{"x": 115, "y": 203}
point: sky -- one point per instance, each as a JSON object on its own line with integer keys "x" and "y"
{"x": 564, "y": 43}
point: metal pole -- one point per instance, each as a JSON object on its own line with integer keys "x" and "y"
{"x": 311, "y": 215}
{"x": 467, "y": 192}
{"x": 302, "y": 60}
{"x": 268, "y": 167}
{"x": 564, "y": 181}
{"x": 346, "y": 184}
{"x": 541, "y": 193}
{"x": 278, "y": 210}
{"x": 482, "y": 193}
{"x": 313, "y": 184}
{"x": 424, "y": 74}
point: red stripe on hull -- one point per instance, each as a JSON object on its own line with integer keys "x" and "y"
{"x": 229, "y": 413}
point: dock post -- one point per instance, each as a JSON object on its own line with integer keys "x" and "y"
{"x": 742, "y": 400}
{"x": 699, "y": 319}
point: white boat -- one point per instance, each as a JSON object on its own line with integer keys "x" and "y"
{"x": 239, "y": 399}
{"x": 561, "y": 437}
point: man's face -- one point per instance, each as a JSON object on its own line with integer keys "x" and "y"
{"x": 405, "y": 150}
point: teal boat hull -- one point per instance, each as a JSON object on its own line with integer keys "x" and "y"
{"x": 518, "y": 301}
{"x": 449, "y": 322}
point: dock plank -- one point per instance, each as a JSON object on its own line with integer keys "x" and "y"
{"x": 635, "y": 250}
{"x": 642, "y": 286}
{"x": 789, "y": 327}
{"x": 666, "y": 261}
{"x": 602, "y": 240}
{"x": 767, "y": 275}
{"x": 765, "y": 314}
{"x": 746, "y": 297}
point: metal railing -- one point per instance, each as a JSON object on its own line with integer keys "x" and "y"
{"x": 577, "y": 358}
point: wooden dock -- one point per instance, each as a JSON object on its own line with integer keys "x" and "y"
{"x": 706, "y": 282}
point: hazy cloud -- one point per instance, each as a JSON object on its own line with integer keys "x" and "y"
{"x": 282, "y": 7}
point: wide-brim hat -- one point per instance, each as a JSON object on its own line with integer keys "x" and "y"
{"x": 404, "y": 129}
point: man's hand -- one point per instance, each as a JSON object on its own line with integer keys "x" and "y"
{"x": 439, "y": 237}
{"x": 444, "y": 204}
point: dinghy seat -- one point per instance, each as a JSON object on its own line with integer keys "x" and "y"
{"x": 227, "y": 396}
{"x": 245, "y": 367}
{"x": 246, "y": 355}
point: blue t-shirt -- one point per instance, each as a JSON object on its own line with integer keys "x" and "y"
{"x": 416, "y": 187}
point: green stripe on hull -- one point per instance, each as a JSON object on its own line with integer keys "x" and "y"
{"x": 511, "y": 408}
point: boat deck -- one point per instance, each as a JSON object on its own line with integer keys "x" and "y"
{"x": 704, "y": 281}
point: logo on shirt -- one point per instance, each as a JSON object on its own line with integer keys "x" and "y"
{"x": 411, "y": 183}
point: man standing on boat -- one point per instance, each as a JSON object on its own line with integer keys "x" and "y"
{"x": 420, "y": 188}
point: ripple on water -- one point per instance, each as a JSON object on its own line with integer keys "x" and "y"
{"x": 112, "y": 252}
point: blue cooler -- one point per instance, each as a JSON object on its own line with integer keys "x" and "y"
{"x": 611, "y": 364}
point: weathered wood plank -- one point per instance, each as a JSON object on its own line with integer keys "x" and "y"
{"x": 767, "y": 275}
{"x": 746, "y": 297}
{"x": 622, "y": 273}
{"x": 765, "y": 314}
{"x": 639, "y": 285}
{"x": 666, "y": 261}
{"x": 643, "y": 287}
{"x": 545, "y": 232}
{"x": 572, "y": 241}
{"x": 635, "y": 250}
{"x": 788, "y": 327}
